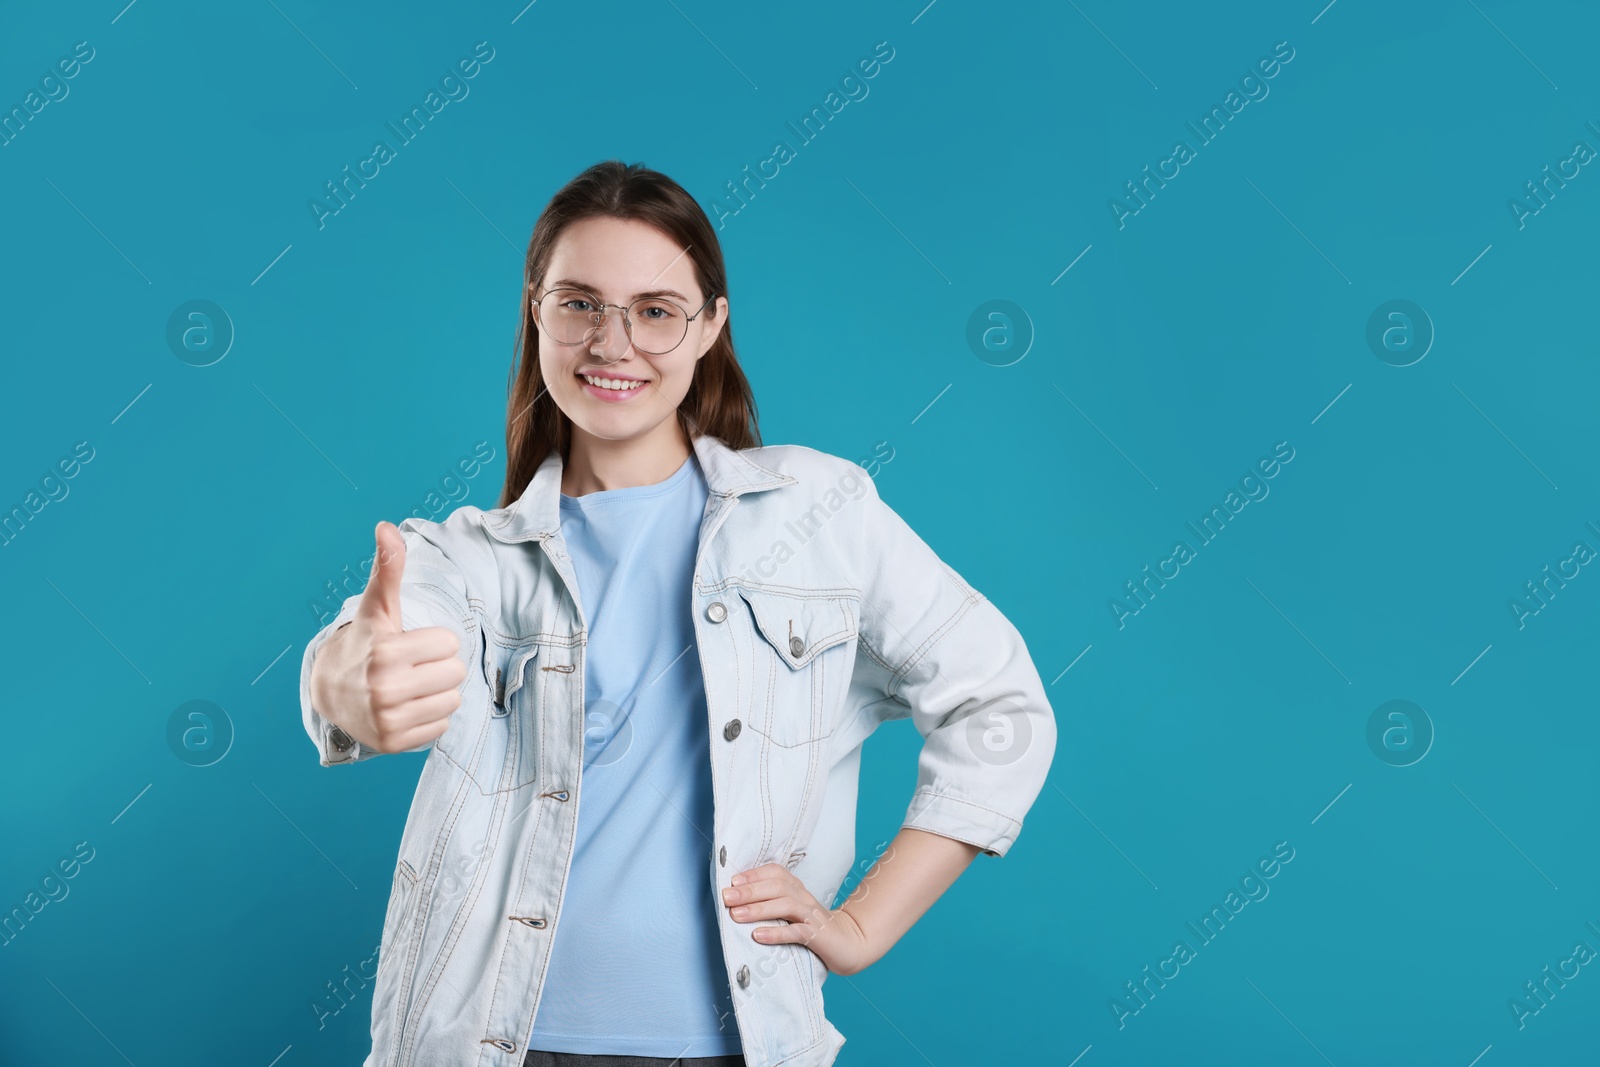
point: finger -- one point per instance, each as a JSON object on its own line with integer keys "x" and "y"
{"x": 760, "y": 887}
{"x": 762, "y": 871}
{"x": 785, "y": 934}
{"x": 422, "y": 719}
{"x": 415, "y": 737}
{"x": 425, "y": 644}
{"x": 394, "y": 687}
{"x": 380, "y": 600}
{"x": 783, "y": 907}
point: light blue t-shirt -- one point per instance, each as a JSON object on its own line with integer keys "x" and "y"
{"x": 636, "y": 966}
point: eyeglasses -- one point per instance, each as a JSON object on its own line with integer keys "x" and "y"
{"x": 654, "y": 325}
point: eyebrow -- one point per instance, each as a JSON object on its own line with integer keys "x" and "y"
{"x": 573, "y": 283}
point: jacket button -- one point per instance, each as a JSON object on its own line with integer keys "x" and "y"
{"x": 340, "y": 740}
{"x": 743, "y": 976}
{"x": 731, "y": 730}
{"x": 716, "y": 611}
{"x": 722, "y": 856}
{"x": 796, "y": 647}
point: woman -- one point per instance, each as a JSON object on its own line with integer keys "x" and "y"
{"x": 695, "y": 634}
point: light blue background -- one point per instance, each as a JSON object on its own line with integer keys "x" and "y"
{"x": 1227, "y": 315}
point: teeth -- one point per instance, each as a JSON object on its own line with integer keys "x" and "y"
{"x": 611, "y": 383}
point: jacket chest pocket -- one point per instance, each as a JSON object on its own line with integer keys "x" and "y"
{"x": 801, "y": 655}
{"x": 488, "y": 740}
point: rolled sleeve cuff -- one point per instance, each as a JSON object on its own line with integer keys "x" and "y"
{"x": 962, "y": 820}
{"x": 336, "y": 746}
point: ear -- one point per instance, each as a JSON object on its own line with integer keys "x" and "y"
{"x": 715, "y": 330}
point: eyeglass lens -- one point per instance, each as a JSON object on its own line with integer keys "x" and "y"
{"x": 571, "y": 316}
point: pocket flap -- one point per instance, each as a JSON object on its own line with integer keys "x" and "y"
{"x": 505, "y": 667}
{"x": 800, "y": 625}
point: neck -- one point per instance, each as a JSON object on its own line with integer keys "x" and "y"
{"x": 595, "y": 464}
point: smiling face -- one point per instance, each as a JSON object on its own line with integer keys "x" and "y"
{"x": 616, "y": 261}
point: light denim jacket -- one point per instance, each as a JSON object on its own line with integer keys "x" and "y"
{"x": 818, "y": 613}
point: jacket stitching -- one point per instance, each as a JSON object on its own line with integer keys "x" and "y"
{"x": 921, "y": 651}
{"x": 818, "y": 645}
{"x": 926, "y": 792}
{"x": 543, "y": 637}
{"x": 406, "y": 1014}
{"x": 788, "y": 592}
{"x": 483, "y": 733}
{"x": 933, "y": 638}
{"x": 447, "y": 946}
{"x": 406, "y": 918}
{"x": 802, "y": 974}
{"x": 738, "y": 690}
{"x": 502, "y": 941}
{"x": 732, "y": 638}
{"x": 567, "y": 843}
{"x": 818, "y": 692}
{"x": 522, "y": 887}
{"x": 767, "y": 812}
{"x": 802, "y": 968}
{"x": 865, "y": 645}
{"x": 799, "y": 1052}
{"x": 459, "y": 924}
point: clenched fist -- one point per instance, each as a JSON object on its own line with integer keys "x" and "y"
{"x": 390, "y": 688}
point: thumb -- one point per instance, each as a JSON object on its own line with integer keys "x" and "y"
{"x": 380, "y": 601}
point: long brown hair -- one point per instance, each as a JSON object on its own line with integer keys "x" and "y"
{"x": 719, "y": 401}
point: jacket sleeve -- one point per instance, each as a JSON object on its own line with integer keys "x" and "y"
{"x": 933, "y": 643}
{"x": 432, "y": 593}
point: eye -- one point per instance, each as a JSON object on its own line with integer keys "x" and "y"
{"x": 568, "y": 304}
{"x": 655, "y": 312}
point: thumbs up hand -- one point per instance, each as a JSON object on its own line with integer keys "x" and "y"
{"x": 389, "y": 688}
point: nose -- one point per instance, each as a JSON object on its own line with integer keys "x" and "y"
{"x": 610, "y": 341}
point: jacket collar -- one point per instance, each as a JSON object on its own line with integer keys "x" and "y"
{"x": 537, "y": 513}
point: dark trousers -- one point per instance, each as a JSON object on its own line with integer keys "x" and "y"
{"x": 535, "y": 1058}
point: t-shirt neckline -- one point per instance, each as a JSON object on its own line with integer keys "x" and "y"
{"x": 630, "y": 492}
